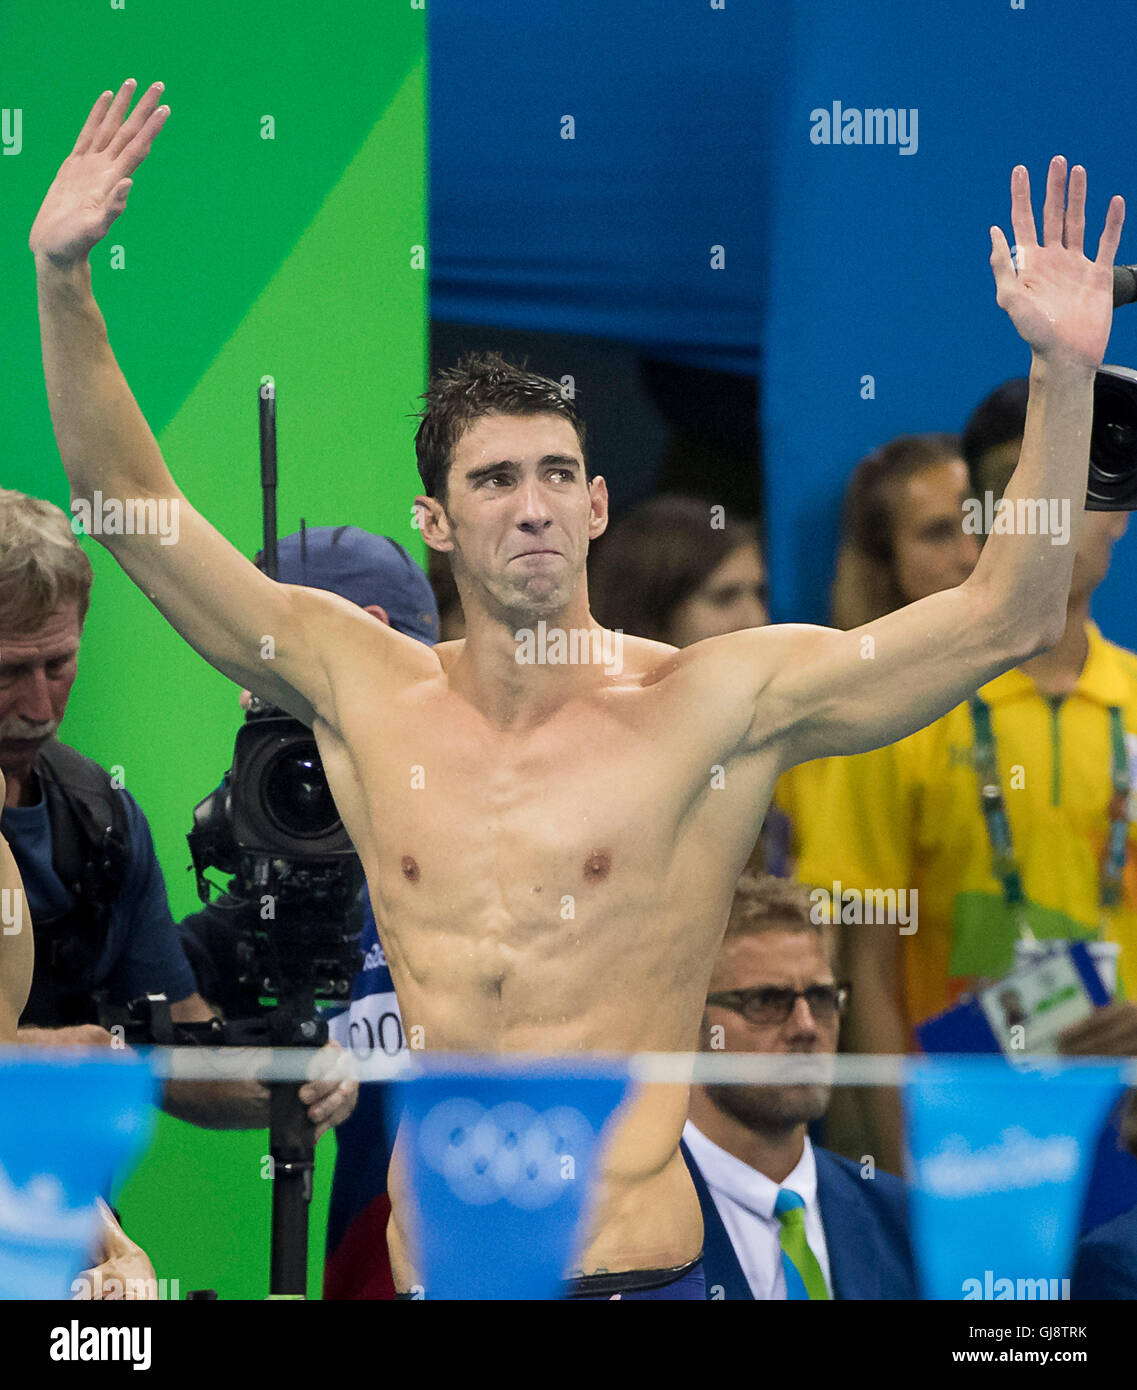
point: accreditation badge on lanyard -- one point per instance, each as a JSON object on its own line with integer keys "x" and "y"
{"x": 985, "y": 928}
{"x": 1004, "y": 861}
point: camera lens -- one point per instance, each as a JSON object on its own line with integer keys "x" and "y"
{"x": 1113, "y": 442}
{"x": 295, "y": 794}
{"x": 1118, "y": 444}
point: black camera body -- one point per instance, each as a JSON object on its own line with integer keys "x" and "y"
{"x": 1112, "y": 485}
{"x": 296, "y": 892}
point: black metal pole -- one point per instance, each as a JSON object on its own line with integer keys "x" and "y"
{"x": 291, "y": 1135}
{"x": 266, "y": 405}
{"x": 293, "y": 1150}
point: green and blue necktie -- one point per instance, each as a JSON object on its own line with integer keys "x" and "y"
{"x": 804, "y": 1278}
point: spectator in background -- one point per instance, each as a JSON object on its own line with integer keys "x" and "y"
{"x": 783, "y": 1218}
{"x": 668, "y": 572}
{"x": 67, "y": 822}
{"x": 902, "y": 536}
{"x": 1053, "y": 736}
{"x": 95, "y": 892}
{"x": 676, "y": 570}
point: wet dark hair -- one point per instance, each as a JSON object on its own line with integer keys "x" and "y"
{"x": 656, "y": 557}
{"x": 481, "y": 384}
{"x": 997, "y": 419}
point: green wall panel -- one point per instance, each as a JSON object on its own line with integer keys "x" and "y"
{"x": 243, "y": 256}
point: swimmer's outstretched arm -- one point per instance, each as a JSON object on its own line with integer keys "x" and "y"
{"x": 810, "y": 692}
{"x": 217, "y": 599}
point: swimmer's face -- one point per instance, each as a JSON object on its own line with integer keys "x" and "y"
{"x": 787, "y": 960}
{"x": 519, "y": 515}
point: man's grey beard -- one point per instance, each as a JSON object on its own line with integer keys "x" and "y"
{"x": 771, "y": 1109}
{"x": 18, "y": 728}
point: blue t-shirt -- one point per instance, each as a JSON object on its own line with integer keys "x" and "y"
{"x": 142, "y": 953}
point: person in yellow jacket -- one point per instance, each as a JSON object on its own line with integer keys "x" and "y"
{"x": 910, "y": 817}
{"x": 902, "y": 538}
{"x": 1016, "y": 806}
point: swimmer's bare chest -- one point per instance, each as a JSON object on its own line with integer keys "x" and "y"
{"x": 545, "y": 888}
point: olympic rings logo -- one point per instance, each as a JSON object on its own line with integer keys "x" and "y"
{"x": 510, "y": 1152}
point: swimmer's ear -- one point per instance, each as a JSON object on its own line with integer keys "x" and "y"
{"x": 598, "y": 516}
{"x": 432, "y": 521}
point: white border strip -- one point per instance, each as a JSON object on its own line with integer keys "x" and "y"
{"x": 670, "y": 1068}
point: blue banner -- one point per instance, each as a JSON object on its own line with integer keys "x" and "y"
{"x": 999, "y": 1157}
{"x": 502, "y": 1161}
{"x": 69, "y": 1122}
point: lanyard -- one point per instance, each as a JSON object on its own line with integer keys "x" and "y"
{"x": 1003, "y": 862}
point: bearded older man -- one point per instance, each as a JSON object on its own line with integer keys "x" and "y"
{"x": 94, "y": 890}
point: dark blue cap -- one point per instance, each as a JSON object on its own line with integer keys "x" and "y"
{"x": 365, "y": 569}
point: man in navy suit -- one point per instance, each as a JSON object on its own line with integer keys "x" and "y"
{"x": 783, "y": 1218}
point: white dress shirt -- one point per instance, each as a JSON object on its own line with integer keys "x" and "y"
{"x": 745, "y": 1200}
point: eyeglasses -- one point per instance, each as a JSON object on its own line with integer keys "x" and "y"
{"x": 770, "y": 1004}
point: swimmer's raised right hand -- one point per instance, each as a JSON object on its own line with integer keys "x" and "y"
{"x": 93, "y": 183}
